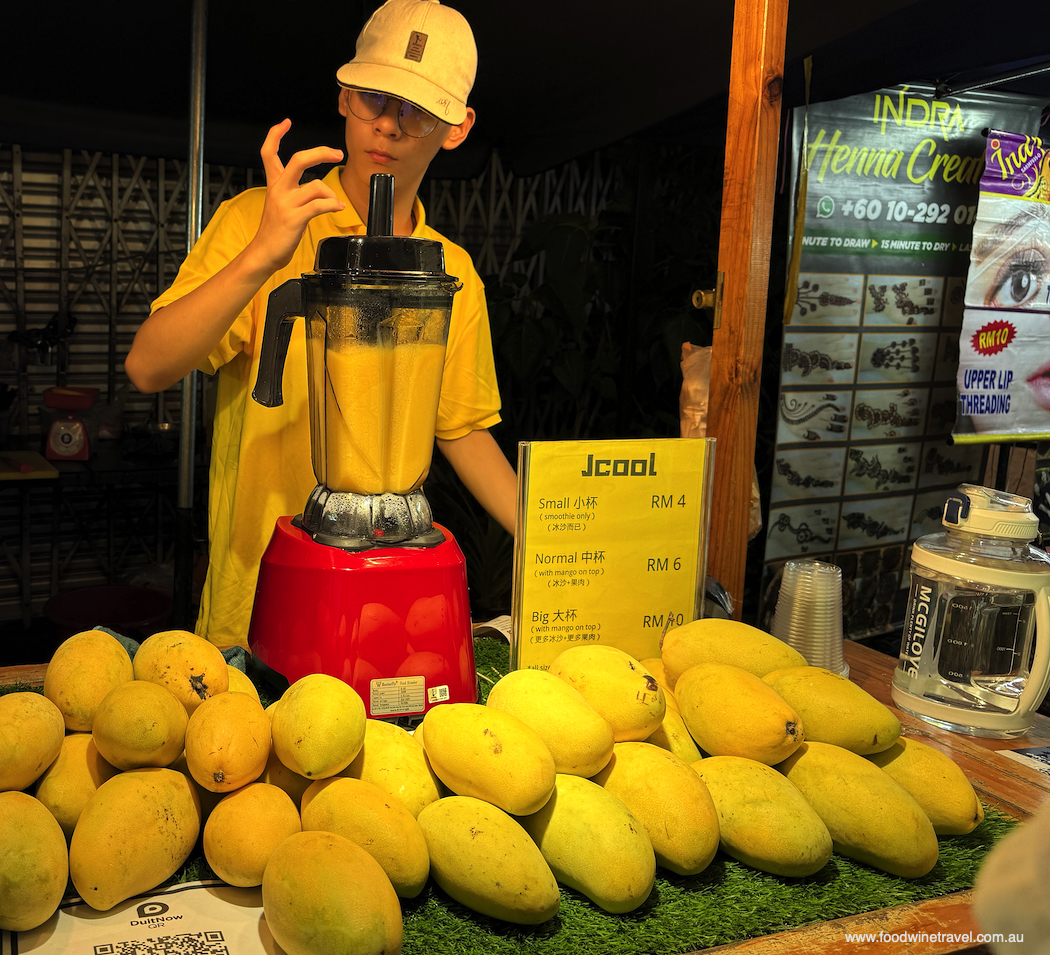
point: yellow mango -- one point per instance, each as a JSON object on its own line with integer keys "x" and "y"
{"x": 81, "y": 672}
{"x": 655, "y": 666}
{"x": 207, "y": 798}
{"x": 138, "y": 724}
{"x": 395, "y": 761}
{"x": 486, "y": 861}
{"x": 279, "y": 775}
{"x": 377, "y": 822}
{"x": 617, "y": 686}
{"x": 319, "y": 726}
{"x": 227, "y": 742}
{"x": 764, "y": 820}
{"x": 34, "y": 866}
{"x": 240, "y": 682}
{"x": 31, "y": 732}
{"x": 190, "y": 667}
{"x": 72, "y": 779}
{"x": 870, "y": 816}
{"x": 936, "y": 783}
{"x": 322, "y": 894}
{"x": 579, "y": 737}
{"x": 669, "y": 799}
{"x": 135, "y": 832}
{"x": 835, "y": 710}
{"x": 594, "y": 844}
{"x": 479, "y": 751}
{"x": 715, "y": 640}
{"x": 731, "y": 712}
{"x": 244, "y": 829}
{"x": 673, "y": 736}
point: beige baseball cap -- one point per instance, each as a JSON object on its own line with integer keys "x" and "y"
{"x": 417, "y": 50}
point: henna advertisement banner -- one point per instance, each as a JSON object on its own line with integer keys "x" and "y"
{"x": 1004, "y": 361}
{"x": 863, "y": 455}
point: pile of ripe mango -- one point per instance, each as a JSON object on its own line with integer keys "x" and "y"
{"x": 589, "y": 775}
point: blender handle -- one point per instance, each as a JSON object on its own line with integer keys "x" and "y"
{"x": 283, "y": 306}
{"x": 1039, "y": 676}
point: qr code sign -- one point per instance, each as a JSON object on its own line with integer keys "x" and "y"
{"x": 191, "y": 943}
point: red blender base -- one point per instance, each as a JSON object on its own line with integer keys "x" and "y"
{"x": 394, "y": 623}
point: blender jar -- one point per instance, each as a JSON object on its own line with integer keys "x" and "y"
{"x": 375, "y": 359}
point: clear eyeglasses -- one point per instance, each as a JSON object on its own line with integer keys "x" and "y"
{"x": 367, "y": 105}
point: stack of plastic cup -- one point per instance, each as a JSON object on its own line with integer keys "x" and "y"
{"x": 809, "y": 613}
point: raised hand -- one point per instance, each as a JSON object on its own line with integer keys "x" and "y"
{"x": 290, "y": 205}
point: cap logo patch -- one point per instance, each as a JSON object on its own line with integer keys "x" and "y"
{"x": 416, "y": 44}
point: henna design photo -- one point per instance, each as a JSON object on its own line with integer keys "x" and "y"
{"x": 802, "y": 529}
{"x": 871, "y": 469}
{"x": 881, "y": 520}
{"x": 902, "y": 354}
{"x": 792, "y": 477}
{"x": 903, "y": 300}
{"x": 828, "y": 299}
{"x": 894, "y": 358}
{"x": 812, "y": 416}
{"x": 802, "y": 533}
{"x": 869, "y": 526}
{"x": 807, "y": 472}
{"x": 819, "y": 359}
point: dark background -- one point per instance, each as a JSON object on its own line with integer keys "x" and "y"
{"x": 556, "y": 78}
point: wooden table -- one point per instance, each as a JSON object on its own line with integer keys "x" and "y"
{"x": 1004, "y": 783}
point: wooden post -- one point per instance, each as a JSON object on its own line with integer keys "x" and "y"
{"x": 752, "y": 138}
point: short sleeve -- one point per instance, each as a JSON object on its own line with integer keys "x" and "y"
{"x": 469, "y": 393}
{"x": 229, "y": 231}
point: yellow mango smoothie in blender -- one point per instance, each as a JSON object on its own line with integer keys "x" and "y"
{"x": 381, "y": 406}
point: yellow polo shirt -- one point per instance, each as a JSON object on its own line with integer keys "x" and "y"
{"x": 260, "y": 457}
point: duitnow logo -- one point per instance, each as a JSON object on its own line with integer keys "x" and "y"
{"x": 150, "y": 913}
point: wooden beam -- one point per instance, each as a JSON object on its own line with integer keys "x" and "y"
{"x": 752, "y": 138}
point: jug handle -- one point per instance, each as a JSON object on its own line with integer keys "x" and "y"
{"x": 1034, "y": 692}
{"x": 283, "y": 306}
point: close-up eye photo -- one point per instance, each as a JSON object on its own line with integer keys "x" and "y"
{"x": 1011, "y": 255}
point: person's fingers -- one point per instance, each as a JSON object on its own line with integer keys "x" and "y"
{"x": 307, "y": 158}
{"x": 313, "y": 190}
{"x": 269, "y": 152}
{"x": 321, "y": 206}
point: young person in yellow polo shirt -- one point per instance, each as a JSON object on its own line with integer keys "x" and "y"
{"x": 403, "y": 97}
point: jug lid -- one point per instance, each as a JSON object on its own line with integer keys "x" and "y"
{"x": 383, "y": 257}
{"x": 990, "y": 513}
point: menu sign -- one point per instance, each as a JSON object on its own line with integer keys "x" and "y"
{"x": 611, "y": 544}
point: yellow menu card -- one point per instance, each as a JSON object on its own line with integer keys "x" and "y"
{"x": 611, "y": 544}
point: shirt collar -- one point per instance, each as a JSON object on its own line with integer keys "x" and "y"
{"x": 349, "y": 221}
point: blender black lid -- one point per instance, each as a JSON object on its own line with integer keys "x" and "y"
{"x": 397, "y": 255}
{"x": 380, "y": 253}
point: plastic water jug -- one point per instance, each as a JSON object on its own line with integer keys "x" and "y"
{"x": 975, "y": 650}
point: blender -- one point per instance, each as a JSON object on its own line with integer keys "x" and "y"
{"x": 363, "y": 585}
{"x": 975, "y": 651}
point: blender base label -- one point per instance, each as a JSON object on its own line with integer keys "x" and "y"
{"x": 397, "y": 696}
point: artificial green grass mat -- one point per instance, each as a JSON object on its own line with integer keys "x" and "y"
{"x": 727, "y": 902}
